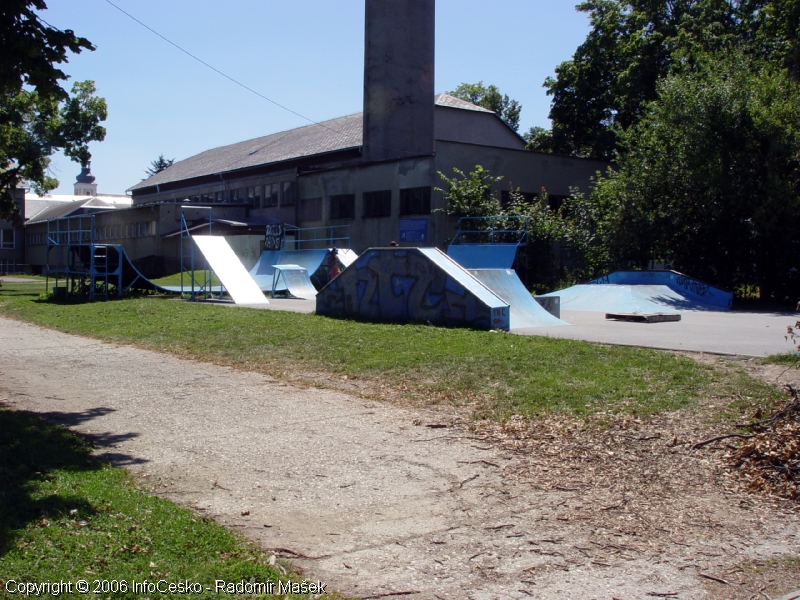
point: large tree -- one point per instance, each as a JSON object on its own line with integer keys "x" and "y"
{"x": 708, "y": 179}
{"x": 38, "y": 117}
{"x": 635, "y": 44}
{"x": 491, "y": 98}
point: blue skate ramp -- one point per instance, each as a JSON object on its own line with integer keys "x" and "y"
{"x": 263, "y": 272}
{"x": 644, "y": 292}
{"x": 525, "y": 311}
{"x": 412, "y": 285}
{"x": 483, "y": 256}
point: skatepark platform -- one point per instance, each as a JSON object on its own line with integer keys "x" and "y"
{"x": 644, "y": 292}
{"x": 412, "y": 285}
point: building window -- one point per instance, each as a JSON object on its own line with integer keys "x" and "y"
{"x": 378, "y": 204}
{"x": 272, "y": 194}
{"x": 254, "y": 196}
{"x": 311, "y": 209}
{"x": 343, "y": 206}
{"x": 219, "y": 197}
{"x": 288, "y": 193}
{"x": 6, "y": 239}
{"x": 194, "y": 198}
{"x": 415, "y": 201}
{"x": 237, "y": 195}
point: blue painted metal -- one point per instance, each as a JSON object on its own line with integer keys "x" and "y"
{"x": 263, "y": 271}
{"x": 690, "y": 288}
{"x": 492, "y": 230}
{"x": 193, "y": 287}
{"x": 644, "y": 292}
{"x": 525, "y": 311}
{"x": 483, "y": 256}
{"x": 421, "y": 285}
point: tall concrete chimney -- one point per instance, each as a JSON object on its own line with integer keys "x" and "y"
{"x": 398, "y": 78}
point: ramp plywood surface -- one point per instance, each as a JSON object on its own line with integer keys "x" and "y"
{"x": 229, "y": 269}
{"x": 525, "y": 311}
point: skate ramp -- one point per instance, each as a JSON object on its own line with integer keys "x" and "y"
{"x": 264, "y": 271}
{"x": 228, "y": 268}
{"x": 294, "y": 280}
{"x": 644, "y": 292}
{"x": 525, "y": 311}
{"x": 412, "y": 285}
{"x": 483, "y": 256}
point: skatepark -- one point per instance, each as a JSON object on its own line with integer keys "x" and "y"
{"x": 469, "y": 286}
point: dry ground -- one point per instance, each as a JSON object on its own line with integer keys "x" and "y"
{"x": 377, "y": 499}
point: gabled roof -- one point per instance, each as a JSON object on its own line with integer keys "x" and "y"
{"x": 59, "y": 209}
{"x": 334, "y": 135}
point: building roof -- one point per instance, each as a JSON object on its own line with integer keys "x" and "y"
{"x": 334, "y": 135}
{"x": 48, "y": 208}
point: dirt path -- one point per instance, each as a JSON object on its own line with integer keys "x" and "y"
{"x": 386, "y": 504}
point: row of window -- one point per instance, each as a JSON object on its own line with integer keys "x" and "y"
{"x": 413, "y": 201}
{"x": 7, "y": 239}
{"x": 101, "y": 233}
{"x": 258, "y": 196}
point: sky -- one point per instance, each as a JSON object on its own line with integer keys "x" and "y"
{"x": 306, "y": 55}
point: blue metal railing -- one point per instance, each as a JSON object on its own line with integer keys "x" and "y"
{"x": 492, "y": 230}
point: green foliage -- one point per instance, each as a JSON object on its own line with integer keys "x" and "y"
{"x": 37, "y": 116}
{"x": 491, "y": 98}
{"x": 709, "y": 178}
{"x": 159, "y": 165}
{"x": 539, "y": 139}
{"x": 634, "y": 44}
{"x": 471, "y": 195}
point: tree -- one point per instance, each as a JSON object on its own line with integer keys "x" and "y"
{"x": 709, "y": 178}
{"x": 491, "y": 98}
{"x": 539, "y": 139}
{"x": 38, "y": 117}
{"x": 159, "y": 165}
{"x": 635, "y": 44}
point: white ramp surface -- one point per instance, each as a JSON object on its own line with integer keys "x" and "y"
{"x": 229, "y": 269}
{"x": 296, "y": 281}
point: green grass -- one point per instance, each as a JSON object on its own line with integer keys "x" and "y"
{"x": 496, "y": 374}
{"x": 790, "y": 359}
{"x": 65, "y": 516}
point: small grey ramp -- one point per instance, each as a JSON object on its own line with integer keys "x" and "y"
{"x": 525, "y": 311}
{"x": 295, "y": 281}
{"x": 229, "y": 270}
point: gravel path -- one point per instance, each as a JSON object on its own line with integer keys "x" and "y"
{"x": 368, "y": 498}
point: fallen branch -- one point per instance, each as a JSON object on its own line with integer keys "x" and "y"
{"x": 712, "y": 578}
{"x": 722, "y": 437}
{"x": 467, "y": 480}
{"x": 387, "y": 594}
{"x": 297, "y": 554}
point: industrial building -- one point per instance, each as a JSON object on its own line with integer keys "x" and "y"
{"x": 356, "y": 181}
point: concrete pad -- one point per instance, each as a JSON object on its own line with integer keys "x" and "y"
{"x": 734, "y": 332}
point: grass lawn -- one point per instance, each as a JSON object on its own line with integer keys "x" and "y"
{"x": 496, "y": 374}
{"x": 65, "y": 516}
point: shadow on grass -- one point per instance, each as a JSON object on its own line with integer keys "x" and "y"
{"x": 31, "y": 449}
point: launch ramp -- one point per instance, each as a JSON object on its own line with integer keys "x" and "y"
{"x": 525, "y": 311}
{"x": 295, "y": 280}
{"x": 229, "y": 269}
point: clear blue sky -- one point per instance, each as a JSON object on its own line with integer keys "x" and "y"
{"x": 304, "y": 54}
